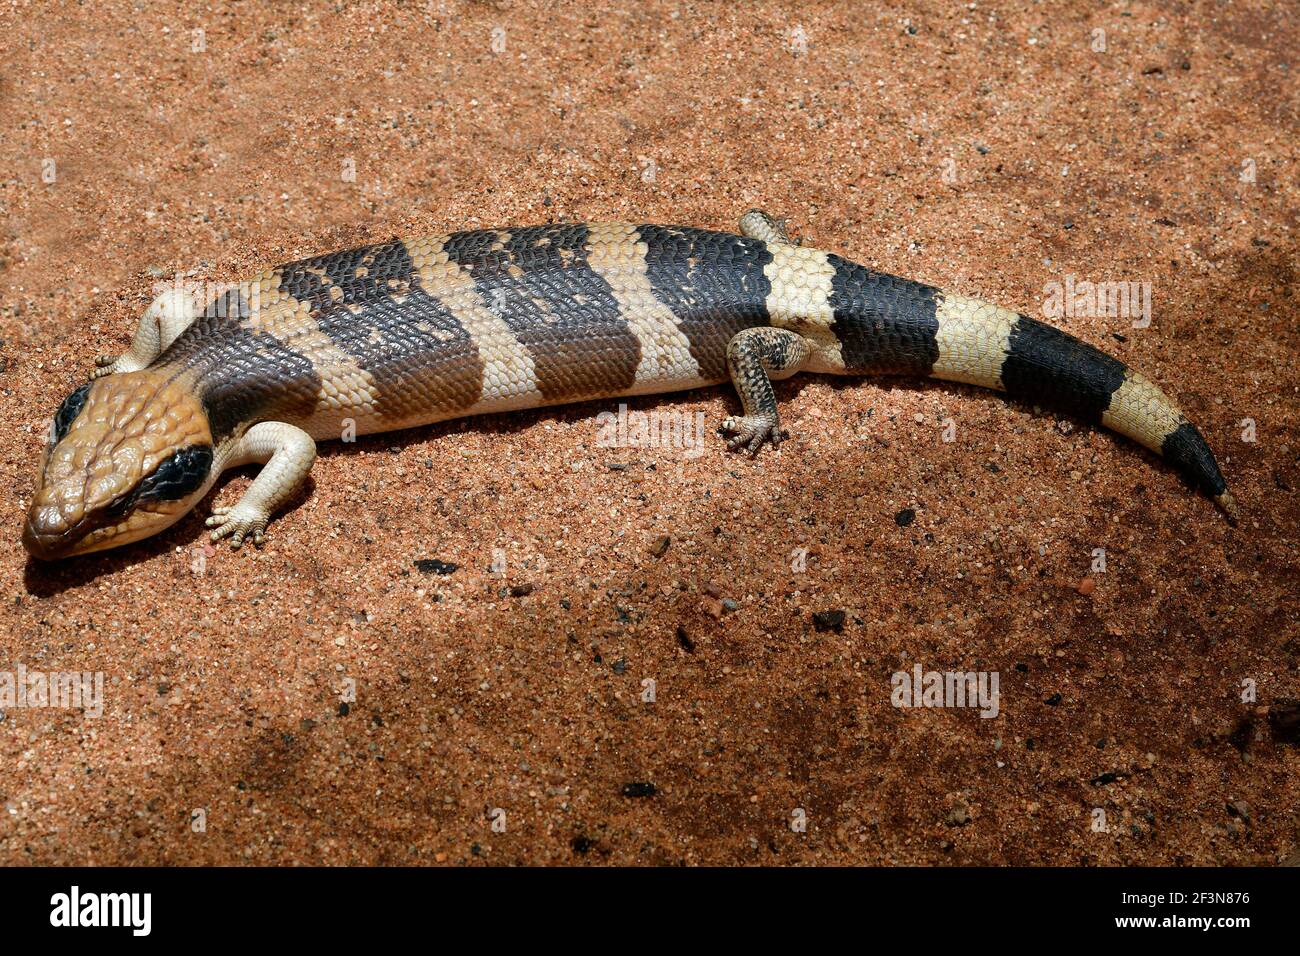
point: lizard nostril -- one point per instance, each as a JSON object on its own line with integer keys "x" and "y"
{"x": 40, "y": 543}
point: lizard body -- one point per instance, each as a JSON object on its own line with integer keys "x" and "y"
{"x": 409, "y": 332}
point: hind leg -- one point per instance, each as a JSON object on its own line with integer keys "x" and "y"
{"x": 755, "y": 357}
{"x": 757, "y": 224}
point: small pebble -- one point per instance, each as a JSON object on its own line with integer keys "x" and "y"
{"x": 831, "y": 620}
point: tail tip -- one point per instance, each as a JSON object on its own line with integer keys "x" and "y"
{"x": 1228, "y": 505}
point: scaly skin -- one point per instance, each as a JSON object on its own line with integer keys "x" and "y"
{"x": 404, "y": 333}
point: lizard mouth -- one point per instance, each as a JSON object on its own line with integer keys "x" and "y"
{"x": 48, "y": 537}
{"x": 91, "y": 535}
{"x": 49, "y": 545}
{"x": 49, "y": 540}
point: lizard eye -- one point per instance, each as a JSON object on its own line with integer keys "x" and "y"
{"x": 177, "y": 476}
{"x": 67, "y": 413}
{"x": 180, "y": 475}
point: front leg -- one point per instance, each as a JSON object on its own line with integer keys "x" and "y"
{"x": 170, "y": 314}
{"x": 755, "y": 357}
{"x": 287, "y": 453}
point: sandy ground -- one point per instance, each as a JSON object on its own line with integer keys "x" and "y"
{"x": 990, "y": 148}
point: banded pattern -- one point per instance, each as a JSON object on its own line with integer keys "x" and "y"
{"x": 409, "y": 332}
{"x": 405, "y": 332}
{"x": 862, "y": 322}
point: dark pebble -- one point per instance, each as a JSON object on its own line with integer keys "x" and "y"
{"x": 582, "y": 844}
{"x": 639, "y": 790}
{"x": 434, "y": 566}
{"x": 828, "y": 620}
{"x": 905, "y": 517}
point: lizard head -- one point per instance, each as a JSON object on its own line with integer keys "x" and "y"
{"x": 128, "y": 455}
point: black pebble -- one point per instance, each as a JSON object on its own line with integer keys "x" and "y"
{"x": 639, "y": 790}
{"x": 905, "y": 517}
{"x": 828, "y": 620}
{"x": 434, "y": 566}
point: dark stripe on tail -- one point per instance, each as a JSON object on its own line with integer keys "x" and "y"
{"x": 1185, "y": 448}
{"x": 885, "y": 324}
{"x": 1054, "y": 369}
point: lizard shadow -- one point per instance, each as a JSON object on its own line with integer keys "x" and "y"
{"x": 989, "y": 397}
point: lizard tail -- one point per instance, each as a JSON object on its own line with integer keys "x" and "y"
{"x": 984, "y": 345}
{"x": 885, "y": 324}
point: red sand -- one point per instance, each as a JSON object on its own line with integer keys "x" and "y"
{"x": 223, "y": 687}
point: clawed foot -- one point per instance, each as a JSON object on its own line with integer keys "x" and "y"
{"x": 239, "y": 523}
{"x": 105, "y": 365}
{"x": 113, "y": 364}
{"x": 750, "y": 431}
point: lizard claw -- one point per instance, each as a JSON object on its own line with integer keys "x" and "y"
{"x": 238, "y": 523}
{"x": 113, "y": 364}
{"x": 750, "y": 431}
